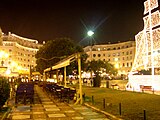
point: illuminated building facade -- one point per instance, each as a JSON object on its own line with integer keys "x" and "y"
{"x": 121, "y": 55}
{"x": 147, "y": 55}
{"x": 19, "y": 51}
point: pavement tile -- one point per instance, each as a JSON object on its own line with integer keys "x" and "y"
{"x": 47, "y": 103}
{"x": 22, "y": 108}
{"x": 69, "y": 111}
{"x": 14, "y": 117}
{"x": 49, "y": 106}
{"x": 89, "y": 113}
{"x": 56, "y": 115}
{"x": 52, "y": 109}
{"x": 39, "y": 116}
{"x": 38, "y": 112}
{"x": 77, "y": 118}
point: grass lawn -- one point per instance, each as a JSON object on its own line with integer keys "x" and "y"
{"x": 133, "y": 103}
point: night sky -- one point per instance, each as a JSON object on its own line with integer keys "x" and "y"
{"x": 111, "y": 20}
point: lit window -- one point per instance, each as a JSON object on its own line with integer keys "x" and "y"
{"x": 118, "y": 54}
{"x": 99, "y": 49}
{"x": 114, "y": 54}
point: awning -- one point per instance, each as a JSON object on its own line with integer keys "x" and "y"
{"x": 63, "y": 63}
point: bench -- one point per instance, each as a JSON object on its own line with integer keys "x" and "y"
{"x": 115, "y": 86}
{"x": 146, "y": 88}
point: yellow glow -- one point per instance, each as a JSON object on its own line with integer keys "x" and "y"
{"x": 116, "y": 59}
{"x": 14, "y": 64}
{"x": 8, "y": 72}
{"x": 3, "y": 54}
{"x": 116, "y": 65}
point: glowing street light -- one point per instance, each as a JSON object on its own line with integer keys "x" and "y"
{"x": 90, "y": 33}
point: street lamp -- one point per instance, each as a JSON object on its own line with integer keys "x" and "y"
{"x": 90, "y": 33}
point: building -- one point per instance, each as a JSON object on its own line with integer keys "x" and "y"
{"x": 17, "y": 53}
{"x": 121, "y": 54}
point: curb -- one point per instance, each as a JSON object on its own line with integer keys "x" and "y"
{"x": 106, "y": 113}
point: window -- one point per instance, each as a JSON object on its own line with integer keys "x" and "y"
{"x": 99, "y": 55}
{"x": 123, "y": 64}
{"x": 127, "y": 64}
{"x": 127, "y": 53}
{"x": 118, "y": 54}
{"x": 108, "y": 59}
{"x": 127, "y": 58}
{"x": 131, "y": 63}
{"x": 123, "y": 58}
{"x": 103, "y": 54}
{"x": 94, "y": 55}
{"x": 109, "y": 55}
{"x": 114, "y": 54}
{"x": 114, "y": 48}
{"x": 118, "y": 48}
{"x": 104, "y": 60}
{"x": 130, "y": 52}
{"x": 108, "y": 49}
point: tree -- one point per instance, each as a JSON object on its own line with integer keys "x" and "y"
{"x": 96, "y": 66}
{"x": 55, "y": 50}
{"x": 4, "y": 91}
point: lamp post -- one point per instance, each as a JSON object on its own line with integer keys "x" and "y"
{"x": 90, "y": 33}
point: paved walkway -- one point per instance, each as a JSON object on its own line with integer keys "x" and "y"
{"x": 46, "y": 108}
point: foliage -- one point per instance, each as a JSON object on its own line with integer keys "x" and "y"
{"x": 55, "y": 50}
{"x": 97, "y": 66}
{"x": 4, "y": 91}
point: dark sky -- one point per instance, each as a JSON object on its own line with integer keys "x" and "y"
{"x": 111, "y": 20}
